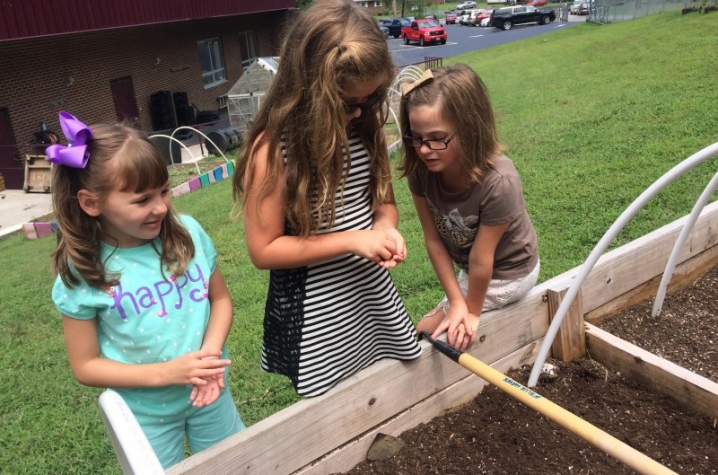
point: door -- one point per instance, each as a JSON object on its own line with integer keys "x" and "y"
{"x": 123, "y": 95}
{"x": 11, "y": 167}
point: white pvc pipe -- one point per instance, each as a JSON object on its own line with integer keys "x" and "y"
{"x": 637, "y": 205}
{"x": 682, "y": 238}
{"x": 203, "y": 135}
{"x": 176, "y": 140}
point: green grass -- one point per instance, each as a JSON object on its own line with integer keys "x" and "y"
{"x": 591, "y": 116}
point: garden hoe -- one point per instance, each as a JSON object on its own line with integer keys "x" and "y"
{"x": 604, "y": 441}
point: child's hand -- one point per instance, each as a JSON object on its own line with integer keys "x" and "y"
{"x": 204, "y": 395}
{"x": 375, "y": 245}
{"x": 464, "y": 339}
{"x": 208, "y": 393}
{"x": 459, "y": 327}
{"x": 195, "y": 368}
{"x": 400, "y": 254}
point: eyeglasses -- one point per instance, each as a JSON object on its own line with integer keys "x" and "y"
{"x": 432, "y": 144}
{"x": 373, "y": 99}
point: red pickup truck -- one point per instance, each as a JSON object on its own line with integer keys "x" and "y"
{"x": 424, "y": 31}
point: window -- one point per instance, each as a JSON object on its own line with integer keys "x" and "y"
{"x": 211, "y": 62}
{"x": 249, "y": 49}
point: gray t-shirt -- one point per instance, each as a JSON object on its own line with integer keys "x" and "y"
{"x": 498, "y": 198}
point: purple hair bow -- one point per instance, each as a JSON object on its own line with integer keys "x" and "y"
{"x": 75, "y": 154}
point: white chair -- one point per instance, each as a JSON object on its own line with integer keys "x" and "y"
{"x": 132, "y": 448}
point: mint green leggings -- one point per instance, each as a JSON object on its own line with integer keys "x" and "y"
{"x": 203, "y": 426}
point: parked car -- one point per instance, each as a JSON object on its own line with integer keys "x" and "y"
{"x": 463, "y": 19}
{"x": 465, "y": 5}
{"x": 395, "y": 25}
{"x": 425, "y": 32}
{"x": 583, "y": 8}
{"x": 537, "y": 3}
{"x": 485, "y": 21}
{"x": 485, "y": 14}
{"x": 384, "y": 30}
{"x": 471, "y": 19}
{"x": 573, "y": 9}
{"x": 431, "y": 17}
{"x": 450, "y": 18}
{"x": 505, "y": 18}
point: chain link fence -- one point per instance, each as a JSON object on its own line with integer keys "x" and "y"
{"x": 609, "y": 11}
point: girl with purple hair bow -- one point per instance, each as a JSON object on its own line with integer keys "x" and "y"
{"x": 145, "y": 308}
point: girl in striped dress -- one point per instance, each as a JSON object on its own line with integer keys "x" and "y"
{"x": 319, "y": 211}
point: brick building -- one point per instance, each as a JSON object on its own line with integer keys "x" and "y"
{"x": 106, "y": 60}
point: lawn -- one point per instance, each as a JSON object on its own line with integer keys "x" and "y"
{"x": 591, "y": 115}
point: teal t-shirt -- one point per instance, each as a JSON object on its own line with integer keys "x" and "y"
{"x": 150, "y": 316}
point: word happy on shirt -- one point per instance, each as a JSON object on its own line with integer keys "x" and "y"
{"x": 192, "y": 286}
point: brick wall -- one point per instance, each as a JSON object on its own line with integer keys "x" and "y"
{"x": 35, "y": 82}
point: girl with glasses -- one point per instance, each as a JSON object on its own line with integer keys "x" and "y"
{"x": 469, "y": 199}
{"x": 318, "y": 206}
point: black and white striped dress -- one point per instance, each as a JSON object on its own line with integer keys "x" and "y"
{"x": 325, "y": 322}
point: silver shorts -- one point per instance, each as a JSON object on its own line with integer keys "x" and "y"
{"x": 501, "y": 292}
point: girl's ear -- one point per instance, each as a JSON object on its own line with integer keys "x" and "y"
{"x": 89, "y": 203}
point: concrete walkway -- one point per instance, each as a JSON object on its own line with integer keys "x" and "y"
{"x": 18, "y": 207}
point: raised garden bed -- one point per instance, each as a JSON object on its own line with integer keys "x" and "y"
{"x": 332, "y": 433}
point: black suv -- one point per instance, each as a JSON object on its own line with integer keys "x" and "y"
{"x": 394, "y": 25}
{"x": 505, "y": 18}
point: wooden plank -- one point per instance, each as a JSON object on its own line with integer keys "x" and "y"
{"x": 620, "y": 270}
{"x": 459, "y": 393}
{"x": 570, "y": 340}
{"x": 658, "y": 374}
{"x": 291, "y": 438}
{"x": 685, "y": 274}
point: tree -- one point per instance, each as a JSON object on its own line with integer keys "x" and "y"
{"x": 303, "y": 4}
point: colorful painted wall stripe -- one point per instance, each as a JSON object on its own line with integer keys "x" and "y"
{"x": 42, "y": 229}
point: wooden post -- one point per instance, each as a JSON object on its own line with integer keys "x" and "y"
{"x": 570, "y": 341}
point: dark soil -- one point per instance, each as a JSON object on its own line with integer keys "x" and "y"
{"x": 496, "y": 434}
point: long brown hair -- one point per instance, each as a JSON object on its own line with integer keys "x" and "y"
{"x": 332, "y": 44}
{"x": 464, "y": 104}
{"x": 121, "y": 158}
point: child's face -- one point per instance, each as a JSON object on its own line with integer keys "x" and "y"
{"x": 133, "y": 219}
{"x": 358, "y": 96}
{"x": 426, "y": 123}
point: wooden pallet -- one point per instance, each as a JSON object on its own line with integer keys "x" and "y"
{"x": 38, "y": 174}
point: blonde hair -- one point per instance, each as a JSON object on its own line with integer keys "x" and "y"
{"x": 121, "y": 158}
{"x": 332, "y": 44}
{"x": 465, "y": 106}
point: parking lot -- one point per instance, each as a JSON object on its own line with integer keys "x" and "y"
{"x": 463, "y": 39}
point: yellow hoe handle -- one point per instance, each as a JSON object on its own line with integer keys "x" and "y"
{"x": 592, "y": 434}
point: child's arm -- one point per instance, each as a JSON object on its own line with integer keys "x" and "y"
{"x": 91, "y": 369}
{"x": 386, "y": 217}
{"x": 481, "y": 267}
{"x": 440, "y": 259}
{"x": 220, "y": 323}
{"x": 269, "y": 248}
{"x": 220, "y": 313}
